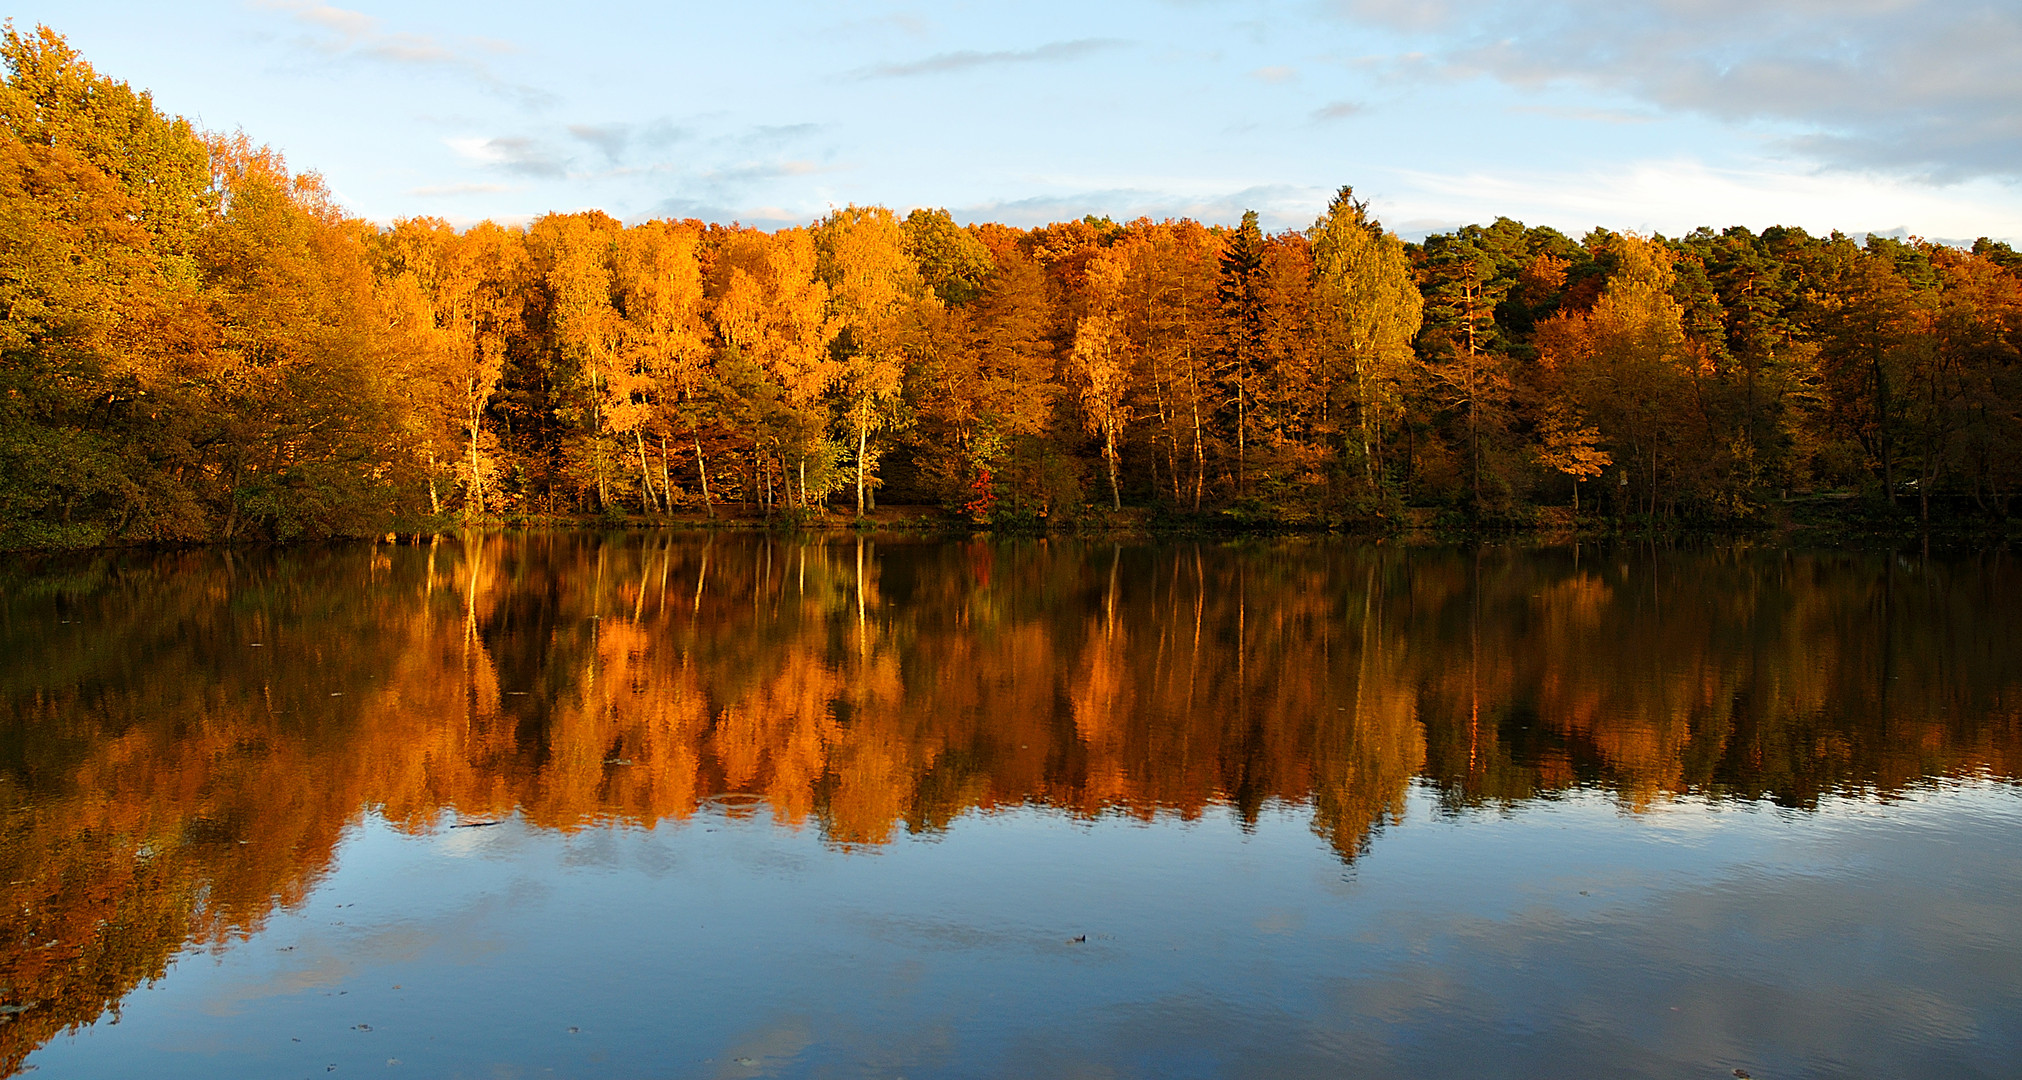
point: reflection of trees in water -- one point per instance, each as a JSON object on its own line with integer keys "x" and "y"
{"x": 165, "y": 782}
{"x": 1736, "y": 672}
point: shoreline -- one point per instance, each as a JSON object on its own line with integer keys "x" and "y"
{"x": 1825, "y": 521}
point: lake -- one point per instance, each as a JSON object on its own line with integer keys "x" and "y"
{"x": 690, "y": 805}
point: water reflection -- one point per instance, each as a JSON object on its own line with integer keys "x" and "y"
{"x": 185, "y": 737}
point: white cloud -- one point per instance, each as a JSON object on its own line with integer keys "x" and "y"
{"x": 1678, "y": 195}
{"x": 514, "y": 154}
{"x": 968, "y": 59}
{"x": 612, "y": 139}
{"x": 343, "y": 34}
{"x": 1599, "y": 116}
{"x": 1922, "y": 87}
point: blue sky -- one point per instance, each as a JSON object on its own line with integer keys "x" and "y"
{"x": 1861, "y": 115}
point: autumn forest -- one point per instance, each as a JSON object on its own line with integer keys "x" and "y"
{"x": 201, "y": 344}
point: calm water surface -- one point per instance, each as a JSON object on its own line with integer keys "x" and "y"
{"x": 536, "y": 805}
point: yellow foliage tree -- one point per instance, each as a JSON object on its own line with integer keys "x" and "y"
{"x": 1624, "y": 363}
{"x": 771, "y": 307}
{"x": 1367, "y": 311}
{"x": 1101, "y": 363}
{"x": 1570, "y": 447}
{"x": 873, "y": 285}
{"x": 460, "y": 293}
{"x": 664, "y": 344}
{"x": 586, "y": 327}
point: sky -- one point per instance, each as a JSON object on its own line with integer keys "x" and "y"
{"x": 1892, "y": 116}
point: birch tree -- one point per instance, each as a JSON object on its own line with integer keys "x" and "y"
{"x": 872, "y": 285}
{"x": 585, "y": 325}
{"x": 664, "y": 344}
{"x": 1367, "y": 311}
{"x": 1101, "y": 363}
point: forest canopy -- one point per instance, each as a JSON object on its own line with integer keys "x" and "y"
{"x": 201, "y": 344}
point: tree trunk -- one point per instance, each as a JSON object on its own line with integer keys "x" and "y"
{"x": 666, "y": 478}
{"x": 650, "y": 500}
{"x": 1927, "y": 474}
{"x": 1362, "y": 419}
{"x": 1109, "y": 456}
{"x": 1194, "y": 405}
{"x": 1376, "y": 455}
{"x": 1165, "y": 423}
{"x": 1473, "y": 389}
{"x": 603, "y": 492}
{"x": 476, "y": 501}
{"x": 1242, "y": 442}
{"x": 1200, "y": 458}
{"x": 1882, "y": 427}
{"x": 1653, "y": 484}
{"x": 702, "y": 470}
{"x": 1473, "y": 424}
{"x": 863, "y": 438}
{"x": 434, "y": 503}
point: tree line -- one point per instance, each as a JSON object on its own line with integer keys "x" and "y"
{"x": 200, "y": 344}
